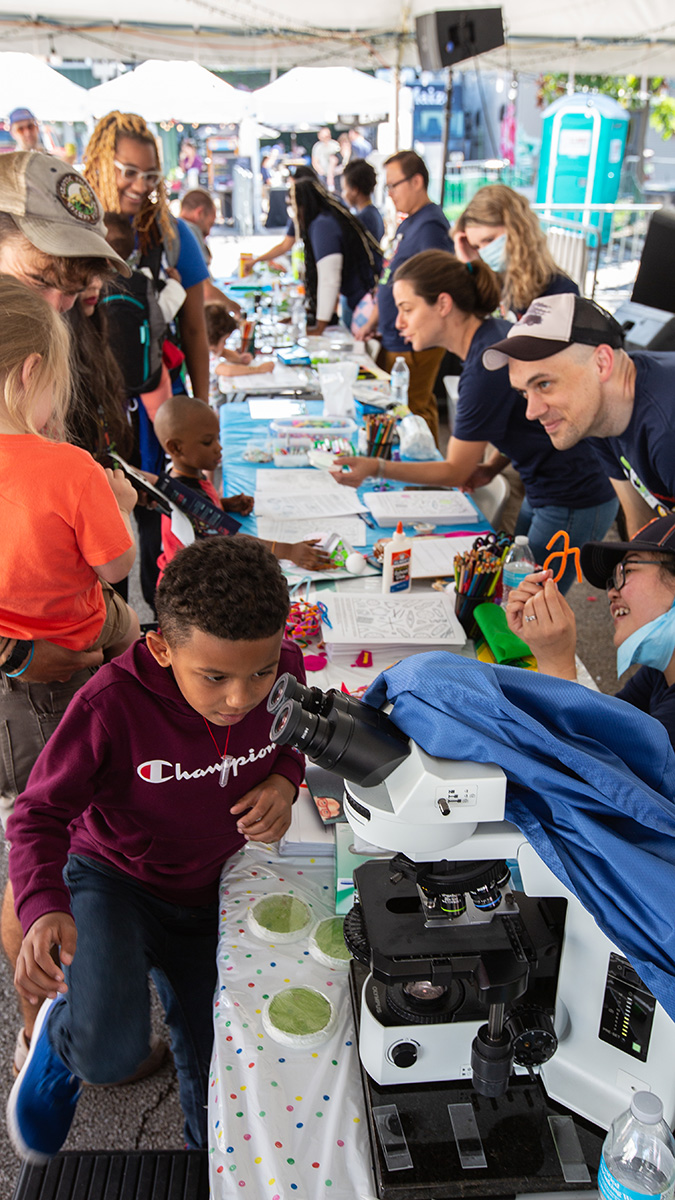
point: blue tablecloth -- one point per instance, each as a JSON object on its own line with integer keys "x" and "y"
{"x": 237, "y": 429}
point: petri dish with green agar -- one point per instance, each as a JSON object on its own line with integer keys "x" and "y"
{"x": 327, "y": 944}
{"x": 279, "y": 918}
{"x": 299, "y": 1016}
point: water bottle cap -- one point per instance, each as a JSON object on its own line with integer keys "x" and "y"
{"x": 646, "y": 1107}
{"x": 521, "y": 540}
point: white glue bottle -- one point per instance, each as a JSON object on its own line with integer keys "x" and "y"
{"x": 396, "y": 562}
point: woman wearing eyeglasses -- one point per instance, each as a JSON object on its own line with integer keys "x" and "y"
{"x": 123, "y": 167}
{"x": 640, "y": 579}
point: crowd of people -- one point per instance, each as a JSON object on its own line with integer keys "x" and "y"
{"x": 108, "y": 309}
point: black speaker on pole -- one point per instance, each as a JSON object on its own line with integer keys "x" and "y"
{"x": 655, "y": 283}
{"x": 446, "y": 38}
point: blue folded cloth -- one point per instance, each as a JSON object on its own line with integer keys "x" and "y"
{"x": 590, "y": 782}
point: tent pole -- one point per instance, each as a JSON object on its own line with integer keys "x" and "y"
{"x": 446, "y": 132}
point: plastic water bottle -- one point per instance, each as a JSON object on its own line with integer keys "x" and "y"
{"x": 298, "y": 318}
{"x": 638, "y": 1155}
{"x": 398, "y": 382}
{"x": 518, "y": 563}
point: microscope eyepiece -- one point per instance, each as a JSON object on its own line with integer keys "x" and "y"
{"x": 358, "y": 742}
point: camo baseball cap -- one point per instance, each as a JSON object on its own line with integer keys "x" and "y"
{"x": 54, "y": 207}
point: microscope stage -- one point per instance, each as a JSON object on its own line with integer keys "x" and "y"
{"x": 513, "y": 1133}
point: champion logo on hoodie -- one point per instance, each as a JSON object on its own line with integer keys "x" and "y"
{"x": 158, "y": 770}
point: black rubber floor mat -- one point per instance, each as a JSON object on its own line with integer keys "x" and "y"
{"x": 102, "y": 1175}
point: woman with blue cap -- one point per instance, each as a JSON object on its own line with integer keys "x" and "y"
{"x": 640, "y": 579}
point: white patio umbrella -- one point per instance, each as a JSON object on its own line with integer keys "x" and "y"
{"x": 319, "y": 96}
{"x": 160, "y": 90}
{"x": 27, "y": 82}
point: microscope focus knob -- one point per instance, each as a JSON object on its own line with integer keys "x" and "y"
{"x": 404, "y": 1054}
{"x": 533, "y": 1034}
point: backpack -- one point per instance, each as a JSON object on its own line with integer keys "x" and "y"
{"x": 137, "y": 328}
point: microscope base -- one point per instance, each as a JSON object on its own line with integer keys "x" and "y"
{"x": 513, "y": 1133}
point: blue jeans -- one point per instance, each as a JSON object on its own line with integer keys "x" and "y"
{"x": 124, "y": 933}
{"x": 582, "y": 525}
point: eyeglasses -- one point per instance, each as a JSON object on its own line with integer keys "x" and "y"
{"x": 131, "y": 173}
{"x": 618, "y": 576}
{"x": 390, "y": 186}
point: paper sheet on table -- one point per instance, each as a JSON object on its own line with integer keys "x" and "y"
{"x": 294, "y": 479}
{"x": 295, "y": 574}
{"x": 269, "y": 408}
{"x": 446, "y": 507}
{"x": 352, "y": 529}
{"x": 434, "y": 557}
{"x": 281, "y": 377}
{"x": 342, "y": 502}
{"x": 410, "y": 620}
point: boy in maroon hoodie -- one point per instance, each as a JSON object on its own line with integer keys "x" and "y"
{"x": 160, "y": 770}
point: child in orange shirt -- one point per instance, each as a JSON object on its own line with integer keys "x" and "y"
{"x": 66, "y": 532}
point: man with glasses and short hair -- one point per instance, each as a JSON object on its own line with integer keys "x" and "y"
{"x": 639, "y": 576}
{"x": 425, "y": 227}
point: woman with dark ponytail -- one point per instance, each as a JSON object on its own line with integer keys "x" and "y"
{"x": 341, "y": 257}
{"x": 444, "y": 302}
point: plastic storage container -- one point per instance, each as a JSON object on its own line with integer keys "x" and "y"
{"x": 638, "y": 1155}
{"x": 399, "y": 381}
{"x": 519, "y": 562}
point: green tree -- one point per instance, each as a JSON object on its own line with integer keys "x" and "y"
{"x": 624, "y": 88}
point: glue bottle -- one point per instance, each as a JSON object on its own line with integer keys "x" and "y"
{"x": 396, "y": 562}
{"x": 638, "y": 1156}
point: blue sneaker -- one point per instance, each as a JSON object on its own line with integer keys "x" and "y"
{"x": 42, "y": 1103}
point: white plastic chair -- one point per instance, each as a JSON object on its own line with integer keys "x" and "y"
{"x": 492, "y": 498}
{"x": 452, "y": 392}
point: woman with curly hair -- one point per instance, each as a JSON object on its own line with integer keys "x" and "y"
{"x": 499, "y": 226}
{"x": 123, "y": 167}
{"x": 340, "y": 255}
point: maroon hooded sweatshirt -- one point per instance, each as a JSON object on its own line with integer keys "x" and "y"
{"x": 130, "y": 778}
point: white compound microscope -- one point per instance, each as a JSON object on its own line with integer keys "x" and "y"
{"x": 483, "y": 982}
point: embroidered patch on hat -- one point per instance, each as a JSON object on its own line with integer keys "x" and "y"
{"x": 78, "y": 198}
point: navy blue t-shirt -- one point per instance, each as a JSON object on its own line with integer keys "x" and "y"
{"x": 489, "y": 409}
{"x": 371, "y": 219}
{"x": 427, "y": 229}
{"x": 649, "y": 691}
{"x": 645, "y": 451}
{"x": 325, "y": 236}
{"x": 555, "y": 286}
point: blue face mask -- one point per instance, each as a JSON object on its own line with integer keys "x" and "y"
{"x": 652, "y": 645}
{"x": 494, "y": 254}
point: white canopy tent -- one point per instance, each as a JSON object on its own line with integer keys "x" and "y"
{"x": 159, "y": 90}
{"x": 610, "y": 36}
{"x": 311, "y": 96}
{"x": 25, "y": 81}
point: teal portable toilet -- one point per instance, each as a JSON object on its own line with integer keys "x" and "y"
{"x": 582, "y": 149}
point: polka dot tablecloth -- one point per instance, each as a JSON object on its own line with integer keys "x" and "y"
{"x": 283, "y": 1123}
